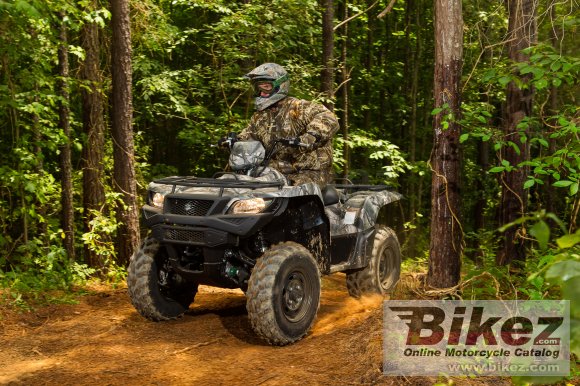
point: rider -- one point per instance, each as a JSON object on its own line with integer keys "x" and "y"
{"x": 307, "y": 127}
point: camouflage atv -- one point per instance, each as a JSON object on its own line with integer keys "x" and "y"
{"x": 248, "y": 229}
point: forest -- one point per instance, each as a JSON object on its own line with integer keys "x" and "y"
{"x": 469, "y": 110}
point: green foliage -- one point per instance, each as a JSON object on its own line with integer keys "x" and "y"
{"x": 189, "y": 87}
{"x": 557, "y": 275}
{"x": 100, "y": 239}
{"x": 549, "y": 68}
{"x": 552, "y": 272}
{"x": 40, "y": 271}
{"x": 33, "y": 262}
{"x": 381, "y": 151}
{"x": 550, "y": 136}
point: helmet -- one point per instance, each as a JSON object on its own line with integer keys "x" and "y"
{"x": 271, "y": 84}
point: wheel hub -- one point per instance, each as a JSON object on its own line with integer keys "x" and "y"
{"x": 166, "y": 279}
{"x": 163, "y": 275}
{"x": 294, "y": 294}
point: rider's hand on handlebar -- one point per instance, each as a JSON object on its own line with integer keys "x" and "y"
{"x": 222, "y": 142}
{"x": 292, "y": 142}
{"x": 228, "y": 141}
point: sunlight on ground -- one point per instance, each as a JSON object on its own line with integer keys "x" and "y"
{"x": 17, "y": 371}
{"x": 350, "y": 310}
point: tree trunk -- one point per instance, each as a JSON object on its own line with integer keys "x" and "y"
{"x": 41, "y": 226}
{"x": 551, "y": 200}
{"x": 413, "y": 190}
{"x": 122, "y": 130}
{"x": 13, "y": 123}
{"x": 369, "y": 84}
{"x": 67, "y": 217}
{"x": 446, "y": 232}
{"x": 327, "y": 75}
{"x": 423, "y": 154}
{"x": 521, "y": 34}
{"x": 345, "y": 96}
{"x": 94, "y": 129}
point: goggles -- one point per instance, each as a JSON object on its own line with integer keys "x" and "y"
{"x": 267, "y": 86}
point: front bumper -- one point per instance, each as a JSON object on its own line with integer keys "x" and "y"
{"x": 208, "y": 231}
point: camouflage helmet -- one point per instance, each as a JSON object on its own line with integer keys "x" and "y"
{"x": 270, "y": 83}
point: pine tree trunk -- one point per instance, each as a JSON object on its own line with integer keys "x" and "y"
{"x": 41, "y": 226}
{"x": 67, "y": 217}
{"x": 551, "y": 198}
{"x": 94, "y": 129}
{"x": 327, "y": 75}
{"x": 413, "y": 183}
{"x": 446, "y": 232}
{"x": 522, "y": 30}
{"x": 123, "y": 148}
{"x": 345, "y": 97}
{"x": 369, "y": 84}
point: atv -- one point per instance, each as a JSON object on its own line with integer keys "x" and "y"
{"x": 248, "y": 229}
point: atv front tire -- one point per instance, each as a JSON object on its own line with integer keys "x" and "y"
{"x": 283, "y": 294}
{"x": 156, "y": 292}
{"x": 384, "y": 268}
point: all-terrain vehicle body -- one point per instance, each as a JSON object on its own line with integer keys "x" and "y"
{"x": 270, "y": 239}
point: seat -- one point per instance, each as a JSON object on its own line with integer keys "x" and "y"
{"x": 330, "y": 195}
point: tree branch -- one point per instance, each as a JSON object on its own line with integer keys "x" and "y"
{"x": 357, "y": 15}
{"x": 387, "y": 10}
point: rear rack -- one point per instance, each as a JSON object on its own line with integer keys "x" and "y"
{"x": 217, "y": 183}
{"x": 356, "y": 188}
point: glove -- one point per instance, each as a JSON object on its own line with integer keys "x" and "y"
{"x": 228, "y": 141}
{"x": 222, "y": 142}
{"x": 292, "y": 142}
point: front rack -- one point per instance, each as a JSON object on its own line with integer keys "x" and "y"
{"x": 234, "y": 183}
{"x": 218, "y": 183}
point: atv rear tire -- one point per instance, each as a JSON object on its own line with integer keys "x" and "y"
{"x": 384, "y": 268}
{"x": 283, "y": 294}
{"x": 156, "y": 292}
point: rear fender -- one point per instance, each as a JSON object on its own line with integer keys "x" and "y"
{"x": 373, "y": 208}
{"x": 369, "y": 205}
{"x": 392, "y": 215}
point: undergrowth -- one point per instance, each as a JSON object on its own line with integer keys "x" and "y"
{"x": 551, "y": 272}
{"x": 36, "y": 286}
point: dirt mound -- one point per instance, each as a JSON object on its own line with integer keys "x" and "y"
{"x": 103, "y": 341}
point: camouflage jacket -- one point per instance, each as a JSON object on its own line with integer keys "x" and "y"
{"x": 312, "y": 123}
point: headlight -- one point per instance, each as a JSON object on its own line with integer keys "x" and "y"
{"x": 156, "y": 199}
{"x": 252, "y": 205}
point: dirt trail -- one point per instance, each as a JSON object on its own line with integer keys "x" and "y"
{"x": 103, "y": 341}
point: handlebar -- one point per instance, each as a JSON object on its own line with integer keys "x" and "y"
{"x": 293, "y": 142}
{"x": 228, "y": 140}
